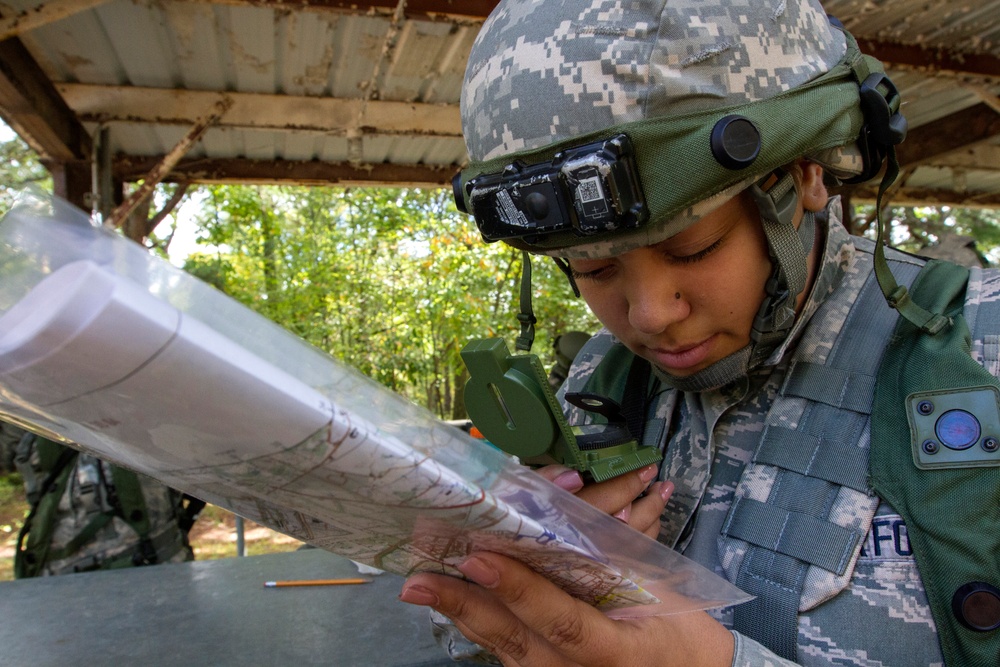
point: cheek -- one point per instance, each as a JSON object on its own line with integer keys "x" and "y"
{"x": 607, "y": 307}
{"x": 733, "y": 287}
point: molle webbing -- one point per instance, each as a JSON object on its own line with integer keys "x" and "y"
{"x": 35, "y": 549}
{"x": 793, "y": 530}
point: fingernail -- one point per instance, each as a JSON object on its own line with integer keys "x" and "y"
{"x": 666, "y": 491}
{"x": 479, "y": 571}
{"x": 648, "y": 473}
{"x": 570, "y": 481}
{"x": 624, "y": 514}
{"x": 418, "y": 595}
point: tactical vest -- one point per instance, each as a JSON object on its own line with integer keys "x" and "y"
{"x": 788, "y": 544}
{"x": 946, "y": 483}
{"x": 88, "y": 515}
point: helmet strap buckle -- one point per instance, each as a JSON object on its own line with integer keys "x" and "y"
{"x": 884, "y": 126}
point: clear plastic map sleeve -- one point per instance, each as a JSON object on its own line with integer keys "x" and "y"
{"x": 107, "y": 347}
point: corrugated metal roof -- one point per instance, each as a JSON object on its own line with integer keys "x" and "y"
{"x": 944, "y": 58}
{"x": 372, "y": 88}
{"x": 242, "y": 48}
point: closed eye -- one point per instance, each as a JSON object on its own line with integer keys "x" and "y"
{"x": 597, "y": 275}
{"x": 698, "y": 256}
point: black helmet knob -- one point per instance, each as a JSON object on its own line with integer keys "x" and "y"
{"x": 735, "y": 142}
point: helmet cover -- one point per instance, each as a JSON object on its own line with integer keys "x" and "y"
{"x": 546, "y": 73}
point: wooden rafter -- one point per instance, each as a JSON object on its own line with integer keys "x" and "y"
{"x": 35, "y": 110}
{"x": 958, "y": 131}
{"x": 907, "y": 196}
{"x": 943, "y": 61}
{"x": 312, "y": 172}
{"x": 163, "y": 168}
{"x": 104, "y": 104}
{"x": 475, "y": 10}
{"x": 48, "y": 12}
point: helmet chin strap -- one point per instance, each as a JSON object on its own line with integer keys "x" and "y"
{"x": 789, "y": 249}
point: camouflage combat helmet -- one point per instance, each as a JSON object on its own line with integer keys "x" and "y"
{"x": 594, "y": 127}
{"x": 543, "y": 77}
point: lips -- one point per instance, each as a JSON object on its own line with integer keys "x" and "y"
{"x": 681, "y": 357}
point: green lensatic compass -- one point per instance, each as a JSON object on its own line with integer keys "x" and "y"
{"x": 510, "y": 401}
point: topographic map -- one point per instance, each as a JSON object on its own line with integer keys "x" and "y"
{"x": 120, "y": 354}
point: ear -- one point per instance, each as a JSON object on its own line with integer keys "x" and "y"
{"x": 813, "y": 191}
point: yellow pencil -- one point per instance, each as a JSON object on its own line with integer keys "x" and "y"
{"x": 316, "y": 582}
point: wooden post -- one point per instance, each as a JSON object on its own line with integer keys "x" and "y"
{"x": 72, "y": 181}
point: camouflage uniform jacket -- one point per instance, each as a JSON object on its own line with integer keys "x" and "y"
{"x": 876, "y": 612}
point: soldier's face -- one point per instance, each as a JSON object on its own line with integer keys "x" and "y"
{"x": 690, "y": 300}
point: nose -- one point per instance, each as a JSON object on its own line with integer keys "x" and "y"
{"x": 655, "y": 302}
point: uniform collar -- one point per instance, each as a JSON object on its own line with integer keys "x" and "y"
{"x": 837, "y": 255}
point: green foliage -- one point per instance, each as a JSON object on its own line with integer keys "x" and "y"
{"x": 392, "y": 282}
{"x": 12, "y": 505}
{"x": 13, "y": 509}
{"x": 19, "y": 168}
{"x": 916, "y": 228}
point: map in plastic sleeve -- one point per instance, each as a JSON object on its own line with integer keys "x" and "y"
{"x": 126, "y": 357}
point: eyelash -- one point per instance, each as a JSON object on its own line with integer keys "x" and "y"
{"x": 596, "y": 274}
{"x": 698, "y": 256}
{"x": 589, "y": 275}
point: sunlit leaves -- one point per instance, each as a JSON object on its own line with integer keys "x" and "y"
{"x": 19, "y": 168}
{"x": 393, "y": 282}
{"x": 914, "y": 228}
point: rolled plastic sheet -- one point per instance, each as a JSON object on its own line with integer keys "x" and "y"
{"x": 117, "y": 352}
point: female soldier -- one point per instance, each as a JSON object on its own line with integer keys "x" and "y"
{"x": 695, "y": 141}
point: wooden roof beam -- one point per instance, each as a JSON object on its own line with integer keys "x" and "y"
{"x": 48, "y": 12}
{"x": 944, "y": 61}
{"x": 313, "y": 172}
{"x": 33, "y": 108}
{"x": 959, "y": 131}
{"x": 166, "y": 164}
{"x": 927, "y": 197}
{"x": 470, "y": 10}
{"x": 274, "y": 112}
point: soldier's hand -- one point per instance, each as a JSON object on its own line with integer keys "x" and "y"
{"x": 621, "y": 496}
{"x": 526, "y": 620}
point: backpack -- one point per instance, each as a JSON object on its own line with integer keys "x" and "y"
{"x": 86, "y": 514}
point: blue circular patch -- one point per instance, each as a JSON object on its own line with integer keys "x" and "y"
{"x": 957, "y": 429}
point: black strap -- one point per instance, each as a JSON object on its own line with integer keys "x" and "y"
{"x": 568, "y": 272}
{"x": 526, "y": 316}
{"x": 636, "y": 397}
{"x": 189, "y": 512}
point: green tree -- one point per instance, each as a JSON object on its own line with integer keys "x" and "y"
{"x": 392, "y": 282}
{"x": 19, "y": 168}
{"x": 915, "y": 228}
